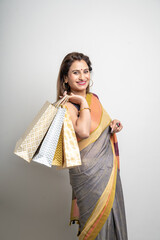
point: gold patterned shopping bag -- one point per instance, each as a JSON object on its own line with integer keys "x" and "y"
{"x": 27, "y": 145}
{"x": 68, "y": 154}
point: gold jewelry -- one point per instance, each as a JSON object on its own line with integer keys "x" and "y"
{"x": 118, "y": 124}
{"x": 64, "y": 86}
{"x": 92, "y": 83}
{"x": 83, "y": 109}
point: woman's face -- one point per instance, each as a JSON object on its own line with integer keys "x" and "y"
{"x": 78, "y": 76}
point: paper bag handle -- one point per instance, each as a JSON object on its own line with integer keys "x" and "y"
{"x": 61, "y": 101}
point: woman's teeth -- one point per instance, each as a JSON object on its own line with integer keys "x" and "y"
{"x": 81, "y": 82}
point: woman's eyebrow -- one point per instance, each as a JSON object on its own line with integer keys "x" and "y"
{"x": 80, "y": 69}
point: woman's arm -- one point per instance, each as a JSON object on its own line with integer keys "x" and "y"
{"x": 81, "y": 124}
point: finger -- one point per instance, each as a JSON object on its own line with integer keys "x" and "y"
{"x": 117, "y": 126}
{"x": 114, "y": 126}
{"x": 113, "y": 130}
{"x": 120, "y": 126}
{"x": 119, "y": 129}
{"x": 116, "y": 129}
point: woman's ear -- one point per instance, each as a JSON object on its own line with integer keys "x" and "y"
{"x": 65, "y": 78}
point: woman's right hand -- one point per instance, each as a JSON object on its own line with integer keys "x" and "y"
{"x": 75, "y": 98}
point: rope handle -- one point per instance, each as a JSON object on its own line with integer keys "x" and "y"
{"x": 61, "y": 101}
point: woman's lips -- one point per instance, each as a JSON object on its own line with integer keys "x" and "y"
{"x": 81, "y": 83}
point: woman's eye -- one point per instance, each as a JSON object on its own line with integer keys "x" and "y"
{"x": 86, "y": 71}
{"x": 75, "y": 72}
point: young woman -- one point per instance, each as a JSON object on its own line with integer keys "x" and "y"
{"x": 97, "y": 196}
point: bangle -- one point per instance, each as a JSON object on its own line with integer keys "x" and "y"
{"x": 83, "y": 109}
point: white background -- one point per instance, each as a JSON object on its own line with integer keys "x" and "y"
{"x": 122, "y": 39}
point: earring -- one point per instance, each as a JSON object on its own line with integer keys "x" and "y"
{"x": 92, "y": 83}
{"x": 64, "y": 86}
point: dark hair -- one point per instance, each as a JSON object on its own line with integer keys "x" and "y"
{"x": 64, "y": 68}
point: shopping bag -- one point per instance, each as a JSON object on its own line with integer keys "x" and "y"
{"x": 70, "y": 149}
{"x": 28, "y": 144}
{"x": 48, "y": 147}
{"x": 59, "y": 155}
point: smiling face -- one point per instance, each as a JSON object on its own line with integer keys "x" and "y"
{"x": 78, "y": 76}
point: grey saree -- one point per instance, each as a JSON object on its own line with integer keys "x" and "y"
{"x": 97, "y": 196}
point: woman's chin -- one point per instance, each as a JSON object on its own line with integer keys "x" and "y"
{"x": 79, "y": 88}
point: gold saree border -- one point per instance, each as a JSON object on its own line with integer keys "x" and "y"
{"x": 103, "y": 207}
{"x": 104, "y": 123}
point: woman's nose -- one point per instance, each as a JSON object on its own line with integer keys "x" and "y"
{"x": 81, "y": 75}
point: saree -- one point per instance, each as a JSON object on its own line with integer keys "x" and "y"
{"x": 97, "y": 197}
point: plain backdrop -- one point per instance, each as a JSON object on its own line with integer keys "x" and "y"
{"x": 122, "y": 39}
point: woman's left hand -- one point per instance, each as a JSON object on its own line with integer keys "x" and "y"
{"x": 116, "y": 126}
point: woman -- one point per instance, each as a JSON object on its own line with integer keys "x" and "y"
{"x": 97, "y": 197}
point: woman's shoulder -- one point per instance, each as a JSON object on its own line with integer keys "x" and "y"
{"x": 72, "y": 107}
{"x": 95, "y": 95}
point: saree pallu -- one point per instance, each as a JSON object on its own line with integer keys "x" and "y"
{"x": 97, "y": 197}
